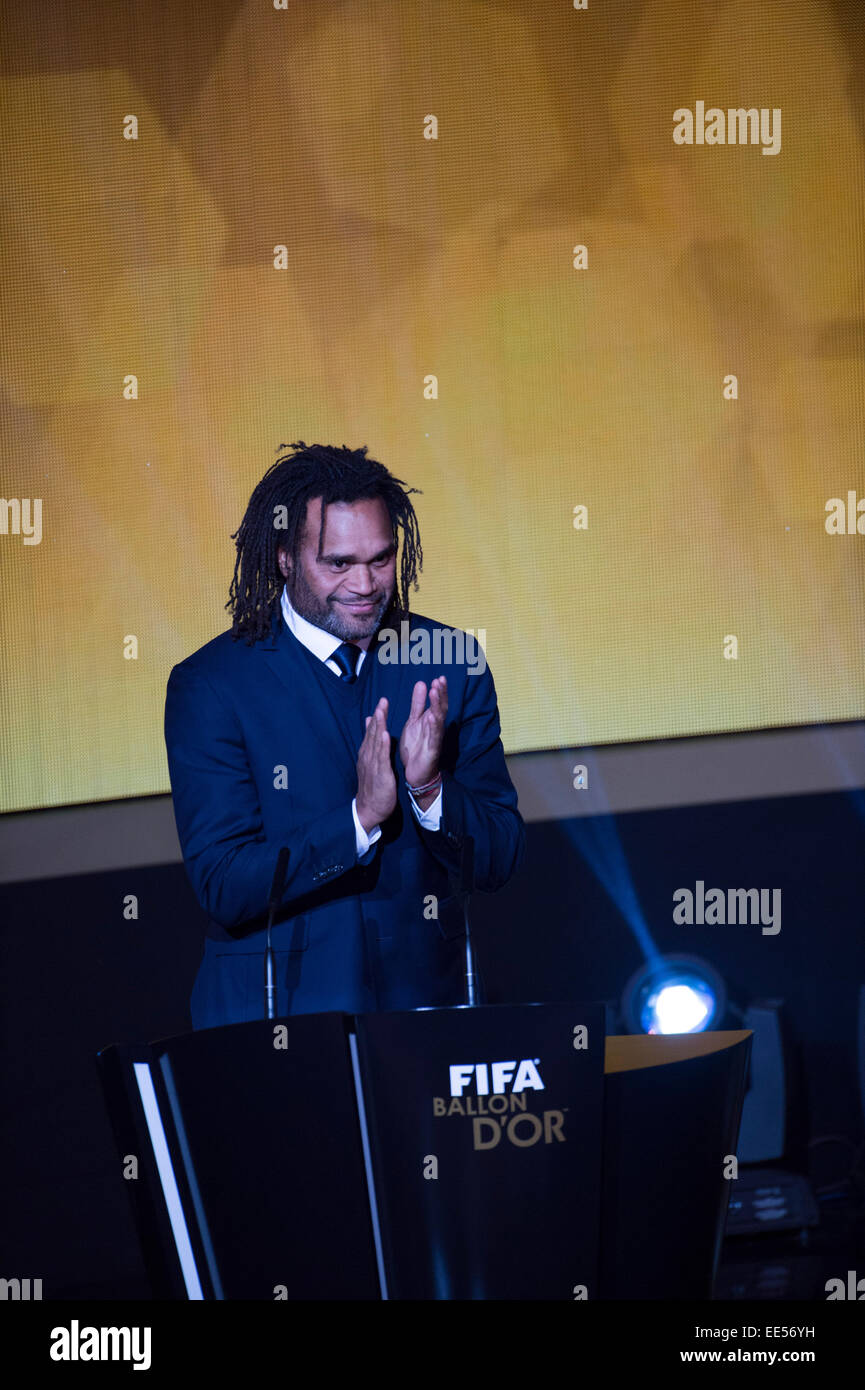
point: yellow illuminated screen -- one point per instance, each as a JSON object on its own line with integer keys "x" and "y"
{"x": 625, "y": 370}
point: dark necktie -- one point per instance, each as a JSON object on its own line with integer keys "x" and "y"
{"x": 346, "y": 658}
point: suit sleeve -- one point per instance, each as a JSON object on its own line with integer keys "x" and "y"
{"x": 228, "y": 857}
{"x": 479, "y": 798}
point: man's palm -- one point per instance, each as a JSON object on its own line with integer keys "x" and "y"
{"x": 421, "y": 739}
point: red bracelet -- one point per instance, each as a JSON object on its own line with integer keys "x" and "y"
{"x": 428, "y": 786}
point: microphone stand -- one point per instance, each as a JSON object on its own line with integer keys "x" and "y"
{"x": 275, "y": 894}
{"x": 466, "y": 884}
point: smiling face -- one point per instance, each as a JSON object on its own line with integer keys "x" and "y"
{"x": 347, "y": 589}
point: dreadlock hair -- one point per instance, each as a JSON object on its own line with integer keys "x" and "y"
{"x": 334, "y": 475}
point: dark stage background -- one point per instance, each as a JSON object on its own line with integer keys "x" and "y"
{"x": 76, "y": 976}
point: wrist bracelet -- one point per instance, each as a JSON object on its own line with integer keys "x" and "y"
{"x": 427, "y": 786}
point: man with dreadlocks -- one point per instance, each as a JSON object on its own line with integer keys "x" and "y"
{"x": 279, "y": 734}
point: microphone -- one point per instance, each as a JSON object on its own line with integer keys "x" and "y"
{"x": 273, "y": 903}
{"x": 466, "y": 884}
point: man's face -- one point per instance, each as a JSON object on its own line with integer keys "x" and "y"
{"x": 347, "y": 589}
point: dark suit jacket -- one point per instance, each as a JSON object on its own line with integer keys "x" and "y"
{"x": 262, "y": 754}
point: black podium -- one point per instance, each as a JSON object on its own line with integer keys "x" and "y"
{"x": 506, "y": 1152}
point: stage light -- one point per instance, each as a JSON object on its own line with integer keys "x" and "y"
{"x": 674, "y": 994}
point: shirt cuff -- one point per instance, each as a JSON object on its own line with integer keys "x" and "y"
{"x": 364, "y": 841}
{"x": 430, "y": 819}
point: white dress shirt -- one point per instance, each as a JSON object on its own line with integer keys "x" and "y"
{"x": 323, "y": 644}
